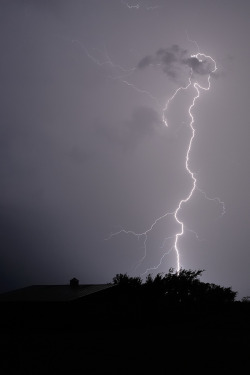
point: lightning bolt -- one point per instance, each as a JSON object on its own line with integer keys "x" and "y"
{"x": 175, "y": 214}
{"x": 198, "y": 89}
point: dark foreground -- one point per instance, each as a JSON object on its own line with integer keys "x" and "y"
{"x": 70, "y": 339}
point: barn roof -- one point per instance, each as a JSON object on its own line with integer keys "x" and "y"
{"x": 53, "y": 293}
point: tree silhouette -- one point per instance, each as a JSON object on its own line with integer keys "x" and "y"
{"x": 123, "y": 280}
{"x": 181, "y": 287}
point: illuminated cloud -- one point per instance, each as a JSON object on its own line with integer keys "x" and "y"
{"x": 173, "y": 59}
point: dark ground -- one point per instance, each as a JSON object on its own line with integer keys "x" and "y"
{"x": 70, "y": 342}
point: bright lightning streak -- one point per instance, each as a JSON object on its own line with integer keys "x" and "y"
{"x": 172, "y": 97}
{"x": 198, "y": 88}
{"x": 127, "y": 72}
{"x": 158, "y": 265}
{"x": 143, "y": 234}
{"x": 216, "y": 199}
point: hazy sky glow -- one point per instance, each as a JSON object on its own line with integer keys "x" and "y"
{"x": 84, "y": 151}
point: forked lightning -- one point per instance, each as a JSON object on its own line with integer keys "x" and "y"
{"x": 198, "y": 88}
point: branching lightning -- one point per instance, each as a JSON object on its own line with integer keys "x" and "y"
{"x": 192, "y": 83}
{"x": 175, "y": 247}
{"x": 197, "y": 87}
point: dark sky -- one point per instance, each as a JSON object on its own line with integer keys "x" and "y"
{"x": 84, "y": 151}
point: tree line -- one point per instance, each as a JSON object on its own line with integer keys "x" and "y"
{"x": 179, "y": 288}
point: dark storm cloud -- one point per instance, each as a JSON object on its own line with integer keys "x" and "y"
{"x": 146, "y": 61}
{"x": 200, "y": 67}
{"x": 174, "y": 58}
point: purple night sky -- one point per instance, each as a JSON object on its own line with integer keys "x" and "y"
{"x": 85, "y": 153}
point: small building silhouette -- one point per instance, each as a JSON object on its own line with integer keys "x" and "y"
{"x": 74, "y": 283}
{"x": 57, "y": 305}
